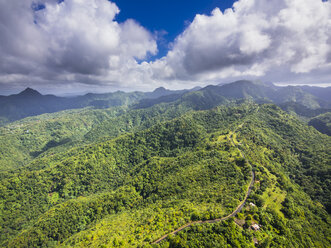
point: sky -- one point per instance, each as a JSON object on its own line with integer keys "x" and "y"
{"x": 166, "y": 19}
{"x": 79, "y": 46}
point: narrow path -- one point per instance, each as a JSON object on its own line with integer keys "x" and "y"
{"x": 237, "y": 210}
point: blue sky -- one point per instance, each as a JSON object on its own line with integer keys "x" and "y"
{"x": 76, "y": 46}
{"x": 171, "y": 16}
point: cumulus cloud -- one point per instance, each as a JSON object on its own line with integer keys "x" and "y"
{"x": 67, "y": 41}
{"x": 253, "y": 39}
{"x": 78, "y": 43}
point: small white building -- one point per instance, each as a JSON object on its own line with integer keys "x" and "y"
{"x": 252, "y": 204}
{"x": 255, "y": 227}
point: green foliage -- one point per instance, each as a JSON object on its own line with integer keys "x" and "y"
{"x": 165, "y": 162}
{"x": 301, "y": 110}
{"x": 224, "y": 234}
{"x": 322, "y": 123}
{"x": 300, "y": 151}
{"x": 31, "y": 103}
{"x": 60, "y": 222}
{"x": 126, "y": 178}
{"x": 22, "y": 141}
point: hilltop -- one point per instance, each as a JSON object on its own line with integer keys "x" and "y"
{"x": 171, "y": 172}
{"x": 30, "y": 102}
{"x": 129, "y": 174}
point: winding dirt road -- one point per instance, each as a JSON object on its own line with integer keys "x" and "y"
{"x": 237, "y": 210}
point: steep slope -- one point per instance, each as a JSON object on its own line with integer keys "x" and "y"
{"x": 30, "y": 102}
{"x": 22, "y": 141}
{"x": 322, "y": 123}
{"x": 131, "y": 190}
{"x": 323, "y": 93}
{"x": 150, "y": 161}
{"x": 283, "y": 213}
{"x": 298, "y": 95}
{"x": 301, "y": 110}
{"x": 214, "y": 95}
{"x": 36, "y": 137}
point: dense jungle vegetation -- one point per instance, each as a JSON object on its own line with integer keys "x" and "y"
{"x": 125, "y": 176}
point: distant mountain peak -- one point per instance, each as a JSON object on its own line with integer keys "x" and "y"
{"x": 29, "y": 92}
{"x": 160, "y": 90}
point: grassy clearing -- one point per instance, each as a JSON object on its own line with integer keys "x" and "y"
{"x": 273, "y": 199}
{"x": 273, "y": 195}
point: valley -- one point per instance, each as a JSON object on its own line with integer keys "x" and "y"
{"x": 172, "y": 171}
{"x": 165, "y": 124}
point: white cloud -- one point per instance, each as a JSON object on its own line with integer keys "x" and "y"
{"x": 70, "y": 41}
{"x": 79, "y": 42}
{"x": 254, "y": 39}
{"x": 85, "y": 38}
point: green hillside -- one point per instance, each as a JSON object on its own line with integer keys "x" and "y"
{"x": 301, "y": 110}
{"x": 322, "y": 123}
{"x": 24, "y": 140}
{"x": 31, "y": 103}
{"x": 141, "y": 174}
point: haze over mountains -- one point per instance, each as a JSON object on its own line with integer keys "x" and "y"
{"x": 125, "y": 169}
{"x": 242, "y": 164}
{"x": 30, "y": 102}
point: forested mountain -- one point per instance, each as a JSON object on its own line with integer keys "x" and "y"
{"x": 323, "y": 93}
{"x": 259, "y": 92}
{"x": 268, "y": 92}
{"x": 301, "y": 110}
{"x": 322, "y": 123}
{"x": 126, "y": 175}
{"x": 63, "y": 130}
{"x": 30, "y": 102}
{"x": 24, "y": 140}
{"x": 160, "y": 149}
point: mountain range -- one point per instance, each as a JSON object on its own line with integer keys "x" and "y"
{"x": 234, "y": 165}
{"x": 305, "y": 101}
{"x": 30, "y": 102}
